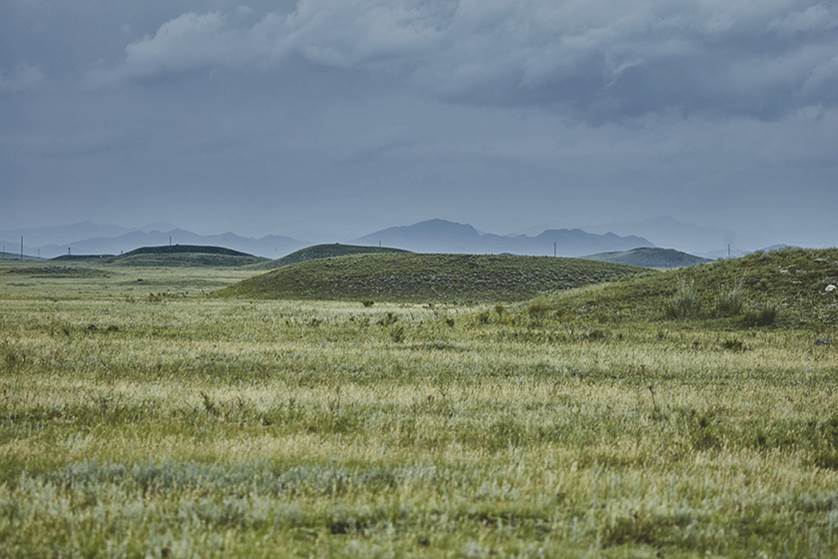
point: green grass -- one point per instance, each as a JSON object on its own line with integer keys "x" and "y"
{"x": 426, "y": 278}
{"x": 185, "y": 255}
{"x": 53, "y": 271}
{"x": 148, "y": 419}
{"x": 792, "y": 281}
{"x": 650, "y": 257}
{"x": 317, "y": 252}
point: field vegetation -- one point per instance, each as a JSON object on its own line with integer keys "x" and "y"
{"x": 424, "y": 278}
{"x": 142, "y": 416}
{"x": 318, "y": 252}
{"x": 651, "y": 257}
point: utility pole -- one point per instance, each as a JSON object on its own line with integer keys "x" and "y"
{"x": 728, "y": 251}
{"x": 555, "y": 243}
{"x": 21, "y": 247}
{"x": 170, "y": 240}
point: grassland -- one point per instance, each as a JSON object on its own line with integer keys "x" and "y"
{"x": 795, "y": 282}
{"x": 426, "y": 278}
{"x": 146, "y": 418}
{"x": 318, "y": 252}
{"x": 186, "y": 256}
{"x": 650, "y": 257}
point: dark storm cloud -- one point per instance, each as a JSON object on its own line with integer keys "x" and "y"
{"x": 599, "y": 59}
{"x": 335, "y": 117}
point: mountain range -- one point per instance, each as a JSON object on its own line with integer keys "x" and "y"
{"x": 437, "y": 235}
{"x": 433, "y": 236}
{"x": 269, "y": 246}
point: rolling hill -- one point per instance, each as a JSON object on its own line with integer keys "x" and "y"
{"x": 441, "y": 236}
{"x": 13, "y": 256}
{"x": 317, "y": 252}
{"x": 271, "y": 245}
{"x": 650, "y": 257}
{"x": 102, "y": 258}
{"x": 186, "y": 255}
{"x": 794, "y": 282}
{"x": 426, "y": 278}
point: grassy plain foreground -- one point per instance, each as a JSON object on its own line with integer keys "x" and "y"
{"x": 144, "y": 418}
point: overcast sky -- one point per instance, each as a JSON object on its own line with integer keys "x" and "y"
{"x": 336, "y": 117}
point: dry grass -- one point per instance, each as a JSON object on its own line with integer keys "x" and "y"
{"x": 184, "y": 426}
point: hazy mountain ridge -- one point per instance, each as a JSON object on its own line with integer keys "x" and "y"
{"x": 438, "y": 235}
{"x": 651, "y": 257}
{"x": 681, "y": 235}
{"x": 268, "y": 246}
{"x": 58, "y": 234}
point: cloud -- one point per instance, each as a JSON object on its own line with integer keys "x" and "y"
{"x": 597, "y": 59}
{"x": 24, "y": 77}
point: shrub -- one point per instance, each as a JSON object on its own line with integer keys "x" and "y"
{"x": 397, "y": 334}
{"x": 537, "y": 309}
{"x": 388, "y": 319}
{"x": 684, "y": 304}
{"x": 367, "y": 304}
{"x": 765, "y": 315}
{"x": 729, "y": 303}
{"x": 734, "y": 344}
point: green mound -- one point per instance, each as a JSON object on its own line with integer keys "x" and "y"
{"x": 317, "y": 252}
{"x": 13, "y": 256}
{"x": 426, "y": 278}
{"x": 796, "y": 283}
{"x": 186, "y": 255}
{"x": 58, "y": 272}
{"x": 105, "y": 258}
{"x": 650, "y": 257}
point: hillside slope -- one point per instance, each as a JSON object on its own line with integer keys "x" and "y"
{"x": 426, "y": 278}
{"x": 794, "y": 282}
{"x": 650, "y": 257}
{"x": 13, "y": 256}
{"x": 317, "y": 252}
{"x": 186, "y": 255}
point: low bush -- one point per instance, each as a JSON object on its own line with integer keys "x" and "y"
{"x": 685, "y": 304}
{"x": 766, "y": 315}
{"x": 729, "y": 303}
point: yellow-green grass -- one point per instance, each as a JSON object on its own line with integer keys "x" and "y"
{"x": 423, "y": 278}
{"x": 140, "y": 424}
{"x": 317, "y": 252}
{"x": 794, "y": 282}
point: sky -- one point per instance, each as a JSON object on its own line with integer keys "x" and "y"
{"x": 326, "y": 118}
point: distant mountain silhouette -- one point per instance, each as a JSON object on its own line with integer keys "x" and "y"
{"x": 269, "y": 246}
{"x": 668, "y": 231}
{"x": 57, "y": 234}
{"x": 647, "y": 257}
{"x": 438, "y": 235}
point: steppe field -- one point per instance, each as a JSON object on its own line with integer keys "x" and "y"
{"x": 143, "y": 414}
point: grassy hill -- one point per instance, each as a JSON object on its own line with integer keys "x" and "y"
{"x": 43, "y": 271}
{"x": 426, "y": 278}
{"x": 186, "y": 255}
{"x": 13, "y": 256}
{"x": 650, "y": 257}
{"x": 100, "y": 258}
{"x": 790, "y": 287}
{"x": 317, "y": 252}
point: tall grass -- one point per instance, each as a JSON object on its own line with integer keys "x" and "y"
{"x": 204, "y": 427}
{"x": 684, "y": 304}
